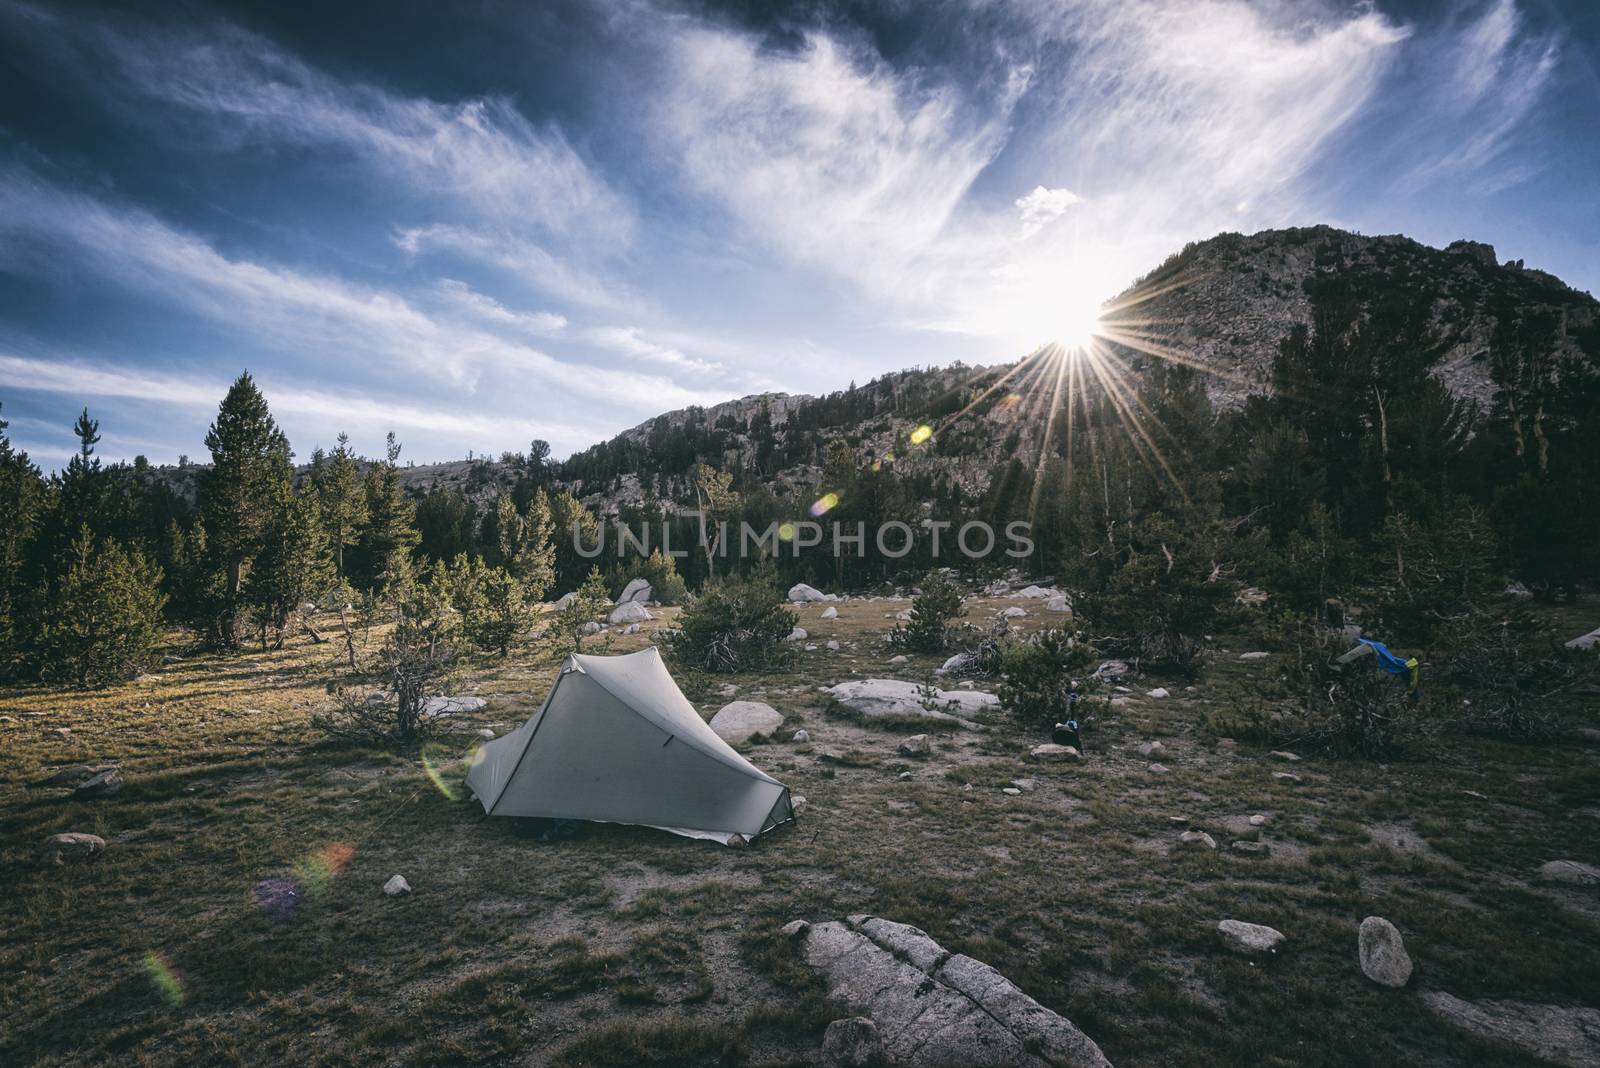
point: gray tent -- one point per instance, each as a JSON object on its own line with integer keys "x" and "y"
{"x": 617, "y": 742}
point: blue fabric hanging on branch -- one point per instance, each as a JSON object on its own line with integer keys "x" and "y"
{"x": 1394, "y": 665}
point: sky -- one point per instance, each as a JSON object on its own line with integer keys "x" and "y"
{"x": 482, "y": 223}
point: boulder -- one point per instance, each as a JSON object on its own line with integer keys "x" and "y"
{"x": 1012, "y": 613}
{"x": 629, "y": 612}
{"x": 1249, "y": 938}
{"x": 852, "y": 1043}
{"x": 1158, "y": 693}
{"x": 1158, "y": 769}
{"x": 832, "y": 646}
{"x": 738, "y": 721}
{"x": 486, "y": 734}
{"x": 900, "y": 659}
{"x": 959, "y": 662}
{"x": 802, "y": 735}
{"x": 1111, "y": 669}
{"x": 74, "y": 775}
{"x": 1197, "y": 840}
{"x": 1564, "y": 1036}
{"x": 1258, "y": 820}
{"x": 638, "y": 590}
{"x": 917, "y": 745}
{"x": 1518, "y": 590}
{"x": 895, "y": 697}
{"x": 1152, "y": 749}
{"x": 72, "y": 846}
{"x": 103, "y": 784}
{"x": 396, "y": 886}
{"x": 590, "y": 627}
{"x": 1056, "y": 754}
{"x": 1569, "y": 871}
{"x": 830, "y": 612}
{"x": 1011, "y": 791}
{"x": 797, "y": 635}
{"x": 1026, "y": 785}
{"x": 935, "y": 1009}
{"x": 566, "y": 599}
{"x": 1058, "y": 603}
{"x": 1036, "y": 593}
{"x": 449, "y": 706}
{"x": 801, "y": 592}
{"x": 1383, "y": 953}
{"x": 1251, "y": 595}
{"x": 1585, "y": 641}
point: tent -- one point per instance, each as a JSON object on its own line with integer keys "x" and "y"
{"x": 617, "y": 742}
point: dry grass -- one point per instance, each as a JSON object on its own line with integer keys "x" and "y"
{"x": 627, "y": 946}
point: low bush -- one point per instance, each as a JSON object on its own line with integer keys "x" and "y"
{"x": 1037, "y": 677}
{"x": 733, "y": 625}
{"x": 938, "y": 602}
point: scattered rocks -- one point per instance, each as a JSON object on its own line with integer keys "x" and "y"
{"x": 1250, "y": 939}
{"x": 830, "y": 612}
{"x": 936, "y": 1009}
{"x": 917, "y": 745}
{"x": 1058, "y": 754}
{"x": 103, "y": 784}
{"x": 396, "y": 886}
{"x": 1383, "y": 953}
{"x": 1197, "y": 840}
{"x": 72, "y": 846}
{"x": 1152, "y": 749}
{"x": 852, "y": 1043}
{"x": 1564, "y": 1036}
{"x": 895, "y": 697}
{"x": 1569, "y": 871}
{"x": 738, "y": 721}
{"x": 1284, "y": 755}
{"x": 1254, "y": 656}
{"x": 802, "y": 735}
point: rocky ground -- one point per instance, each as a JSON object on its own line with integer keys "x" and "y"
{"x": 1176, "y": 895}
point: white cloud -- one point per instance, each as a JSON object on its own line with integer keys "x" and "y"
{"x": 486, "y": 308}
{"x": 1043, "y": 206}
{"x": 631, "y": 342}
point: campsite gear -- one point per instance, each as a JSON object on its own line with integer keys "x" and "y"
{"x": 1067, "y": 734}
{"x": 1387, "y": 661}
{"x": 617, "y": 742}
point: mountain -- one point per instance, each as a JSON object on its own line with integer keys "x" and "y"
{"x": 1232, "y": 305}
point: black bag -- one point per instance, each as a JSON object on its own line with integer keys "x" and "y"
{"x": 1067, "y": 734}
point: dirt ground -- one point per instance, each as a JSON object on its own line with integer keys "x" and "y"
{"x": 236, "y": 915}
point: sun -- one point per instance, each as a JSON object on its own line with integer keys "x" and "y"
{"x": 1076, "y": 327}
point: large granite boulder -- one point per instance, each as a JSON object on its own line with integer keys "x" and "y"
{"x": 1565, "y": 1036}
{"x": 629, "y": 612}
{"x": 801, "y": 592}
{"x": 72, "y": 846}
{"x": 639, "y": 590}
{"x": 872, "y": 698}
{"x": 935, "y": 1009}
{"x": 1383, "y": 953}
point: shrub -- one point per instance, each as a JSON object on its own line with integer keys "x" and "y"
{"x": 1037, "y": 676}
{"x": 1509, "y": 666}
{"x": 414, "y": 664}
{"x": 105, "y": 616}
{"x": 1352, "y": 710}
{"x": 936, "y": 604}
{"x": 658, "y": 569}
{"x": 733, "y": 625}
{"x": 588, "y": 603}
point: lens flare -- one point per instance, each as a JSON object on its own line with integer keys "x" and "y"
{"x": 824, "y": 504}
{"x": 434, "y": 760}
{"x": 786, "y": 531}
{"x": 921, "y": 434}
{"x": 167, "y": 981}
{"x": 322, "y": 867}
{"x": 277, "y": 897}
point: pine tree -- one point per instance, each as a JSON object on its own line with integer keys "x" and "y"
{"x": 574, "y": 525}
{"x": 81, "y": 487}
{"x": 292, "y": 569}
{"x": 341, "y": 497}
{"x": 391, "y": 532}
{"x": 105, "y": 613}
{"x": 243, "y": 492}
{"x": 23, "y": 500}
{"x": 526, "y": 548}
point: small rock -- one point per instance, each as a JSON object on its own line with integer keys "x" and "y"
{"x": 795, "y": 928}
{"x": 901, "y": 659}
{"x": 797, "y": 635}
{"x": 72, "y": 846}
{"x": 637, "y": 590}
{"x": 852, "y": 1043}
{"x": 1111, "y": 669}
{"x": 830, "y": 612}
{"x": 1258, "y": 821}
{"x": 1012, "y": 613}
{"x": 802, "y": 735}
{"x": 485, "y": 733}
{"x": 1025, "y": 785}
{"x": 1158, "y": 693}
{"x": 104, "y": 784}
{"x": 959, "y": 662}
{"x": 74, "y": 775}
{"x": 917, "y": 745}
{"x": 1011, "y": 791}
{"x": 1284, "y": 755}
{"x": 1253, "y": 849}
{"x": 801, "y": 592}
{"x": 1569, "y": 871}
{"x": 1053, "y": 752}
{"x": 1286, "y": 777}
{"x": 1383, "y": 953}
{"x": 832, "y": 646}
{"x": 589, "y": 628}
{"x": 1158, "y": 769}
{"x": 1254, "y": 656}
{"x": 629, "y": 612}
{"x": 1058, "y": 604}
{"x": 738, "y": 721}
{"x": 1152, "y": 749}
{"x": 1197, "y": 840}
{"x": 904, "y": 776}
{"x": 396, "y": 886}
{"x": 1249, "y": 938}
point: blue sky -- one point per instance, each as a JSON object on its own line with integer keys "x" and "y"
{"x": 479, "y": 224}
